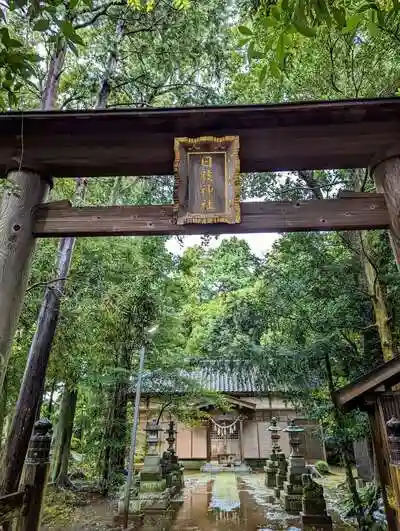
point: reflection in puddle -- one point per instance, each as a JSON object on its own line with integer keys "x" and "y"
{"x": 226, "y": 502}
{"x": 225, "y": 494}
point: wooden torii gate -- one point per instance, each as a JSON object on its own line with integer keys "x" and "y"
{"x": 36, "y": 147}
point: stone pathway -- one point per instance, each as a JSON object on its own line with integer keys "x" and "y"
{"x": 212, "y": 502}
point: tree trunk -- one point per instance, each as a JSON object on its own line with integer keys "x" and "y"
{"x": 116, "y": 425}
{"x": 26, "y": 191}
{"x": 56, "y": 65}
{"x": 119, "y": 429}
{"x": 115, "y": 433}
{"x": 64, "y": 436}
{"x": 344, "y": 450}
{"x": 360, "y": 245}
{"x": 378, "y": 297}
{"x": 35, "y": 371}
{"x": 33, "y": 381}
{"x": 105, "y": 465}
{"x": 105, "y": 86}
{"x": 3, "y": 411}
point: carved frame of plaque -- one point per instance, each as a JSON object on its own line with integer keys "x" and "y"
{"x": 207, "y": 180}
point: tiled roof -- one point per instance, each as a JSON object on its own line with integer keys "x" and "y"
{"x": 226, "y": 382}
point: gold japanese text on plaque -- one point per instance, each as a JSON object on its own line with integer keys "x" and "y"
{"x": 207, "y": 180}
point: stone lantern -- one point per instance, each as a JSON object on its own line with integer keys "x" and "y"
{"x": 275, "y": 429}
{"x": 293, "y": 486}
{"x": 152, "y": 437}
{"x": 393, "y": 433}
{"x": 294, "y": 438}
{"x": 172, "y": 469}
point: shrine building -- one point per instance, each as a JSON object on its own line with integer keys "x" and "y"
{"x": 240, "y": 435}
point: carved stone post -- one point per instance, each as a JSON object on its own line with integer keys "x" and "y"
{"x": 314, "y": 515}
{"x": 34, "y": 478}
{"x": 271, "y": 467}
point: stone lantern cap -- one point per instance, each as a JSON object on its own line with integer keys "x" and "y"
{"x": 274, "y": 425}
{"x": 152, "y": 428}
{"x": 293, "y": 428}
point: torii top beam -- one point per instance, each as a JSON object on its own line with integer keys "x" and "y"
{"x": 293, "y": 136}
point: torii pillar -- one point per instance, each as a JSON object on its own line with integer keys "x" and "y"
{"x": 26, "y": 189}
{"x": 386, "y": 173}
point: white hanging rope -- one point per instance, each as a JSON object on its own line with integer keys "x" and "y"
{"x": 221, "y": 428}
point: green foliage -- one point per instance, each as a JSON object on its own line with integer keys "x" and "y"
{"x": 58, "y": 507}
{"x": 278, "y": 28}
{"x": 284, "y": 317}
{"x": 149, "y": 5}
{"x": 322, "y": 467}
{"x": 370, "y": 495}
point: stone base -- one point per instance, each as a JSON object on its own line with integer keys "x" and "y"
{"x": 316, "y": 522}
{"x": 291, "y": 503}
{"x": 177, "y": 501}
{"x": 290, "y": 488}
{"x": 152, "y": 469}
{"x": 154, "y": 501}
{"x": 270, "y": 498}
{"x": 360, "y": 483}
{"x": 157, "y": 520}
{"x": 270, "y": 476}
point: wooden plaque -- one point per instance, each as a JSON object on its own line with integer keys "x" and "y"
{"x": 207, "y": 180}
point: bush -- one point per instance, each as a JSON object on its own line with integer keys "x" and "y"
{"x": 322, "y": 467}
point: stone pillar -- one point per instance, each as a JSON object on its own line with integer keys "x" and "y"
{"x": 314, "y": 515}
{"x": 386, "y": 174}
{"x": 25, "y": 190}
{"x": 271, "y": 467}
{"x": 293, "y": 486}
{"x": 34, "y": 478}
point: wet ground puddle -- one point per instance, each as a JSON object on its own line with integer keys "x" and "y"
{"x": 229, "y": 502}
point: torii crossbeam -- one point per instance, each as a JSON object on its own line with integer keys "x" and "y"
{"x": 38, "y": 146}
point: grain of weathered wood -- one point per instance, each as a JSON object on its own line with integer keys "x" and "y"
{"x": 387, "y": 179}
{"x": 140, "y": 142}
{"x": 11, "y": 506}
{"x": 26, "y": 190}
{"x": 351, "y": 395}
{"x": 335, "y": 214}
{"x": 381, "y": 463}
